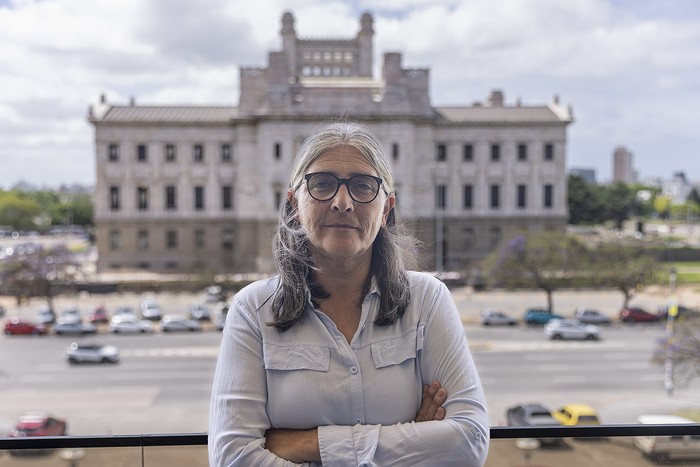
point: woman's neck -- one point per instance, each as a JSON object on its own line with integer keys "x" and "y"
{"x": 343, "y": 279}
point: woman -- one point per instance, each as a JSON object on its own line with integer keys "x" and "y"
{"x": 344, "y": 358}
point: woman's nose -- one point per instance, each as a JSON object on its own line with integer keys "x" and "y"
{"x": 342, "y": 201}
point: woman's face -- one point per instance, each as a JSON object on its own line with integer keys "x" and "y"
{"x": 341, "y": 229}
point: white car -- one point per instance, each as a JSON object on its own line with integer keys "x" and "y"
{"x": 589, "y": 316}
{"x": 171, "y": 323}
{"x": 150, "y": 309}
{"x": 71, "y": 316}
{"x": 91, "y": 353}
{"x": 571, "y": 329}
{"x": 129, "y": 325}
{"x": 496, "y": 318}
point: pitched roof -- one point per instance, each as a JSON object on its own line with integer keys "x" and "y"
{"x": 507, "y": 114}
{"x": 169, "y": 114}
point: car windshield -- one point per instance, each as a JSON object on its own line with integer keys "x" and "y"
{"x": 541, "y": 414}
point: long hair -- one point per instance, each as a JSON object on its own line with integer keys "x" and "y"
{"x": 297, "y": 267}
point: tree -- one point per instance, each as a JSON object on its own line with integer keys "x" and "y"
{"x": 17, "y": 212}
{"x": 626, "y": 268}
{"x": 34, "y": 271}
{"x": 621, "y": 203}
{"x": 585, "y": 206}
{"x": 682, "y": 347}
{"x": 662, "y": 206}
{"x": 543, "y": 260}
{"x": 694, "y": 196}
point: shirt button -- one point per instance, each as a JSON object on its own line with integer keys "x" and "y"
{"x": 353, "y": 370}
{"x": 358, "y": 420}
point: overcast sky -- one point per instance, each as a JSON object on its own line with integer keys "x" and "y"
{"x": 629, "y": 68}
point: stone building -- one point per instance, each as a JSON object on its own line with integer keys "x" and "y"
{"x": 187, "y": 188}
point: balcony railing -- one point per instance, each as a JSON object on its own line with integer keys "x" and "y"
{"x": 585, "y": 446}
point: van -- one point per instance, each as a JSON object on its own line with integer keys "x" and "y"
{"x": 664, "y": 448}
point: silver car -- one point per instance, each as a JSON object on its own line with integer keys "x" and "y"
{"x": 496, "y": 318}
{"x": 571, "y": 329}
{"x": 173, "y": 323}
{"x": 130, "y": 325}
{"x": 589, "y": 316}
{"x": 91, "y": 353}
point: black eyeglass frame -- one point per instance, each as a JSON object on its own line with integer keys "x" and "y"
{"x": 346, "y": 182}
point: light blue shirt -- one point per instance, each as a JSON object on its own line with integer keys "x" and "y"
{"x": 362, "y": 395}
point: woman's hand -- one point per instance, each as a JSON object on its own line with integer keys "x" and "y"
{"x": 297, "y": 446}
{"x": 434, "y": 395}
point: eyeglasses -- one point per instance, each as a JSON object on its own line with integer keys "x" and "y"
{"x": 323, "y": 186}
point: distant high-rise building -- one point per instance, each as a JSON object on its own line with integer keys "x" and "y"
{"x": 585, "y": 173}
{"x": 622, "y": 166}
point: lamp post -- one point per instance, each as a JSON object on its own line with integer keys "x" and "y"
{"x": 439, "y": 178}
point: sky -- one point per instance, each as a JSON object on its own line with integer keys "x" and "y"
{"x": 629, "y": 68}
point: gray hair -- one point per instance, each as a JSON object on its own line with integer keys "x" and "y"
{"x": 391, "y": 249}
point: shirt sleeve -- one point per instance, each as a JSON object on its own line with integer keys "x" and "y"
{"x": 462, "y": 438}
{"x": 238, "y": 416}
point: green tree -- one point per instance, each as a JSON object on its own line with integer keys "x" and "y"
{"x": 585, "y": 206}
{"x": 662, "y": 206}
{"x": 542, "y": 260}
{"x": 621, "y": 203}
{"x": 17, "y": 211}
{"x": 626, "y": 268}
{"x": 694, "y": 196}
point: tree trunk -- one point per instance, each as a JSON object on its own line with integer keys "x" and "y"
{"x": 550, "y": 305}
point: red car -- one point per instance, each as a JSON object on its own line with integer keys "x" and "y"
{"x": 98, "y": 315}
{"x": 16, "y": 326}
{"x": 637, "y": 315}
{"x": 38, "y": 424}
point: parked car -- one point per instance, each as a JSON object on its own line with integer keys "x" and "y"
{"x": 214, "y": 293}
{"x": 79, "y": 352}
{"x": 539, "y": 316}
{"x": 576, "y": 414}
{"x": 637, "y": 315}
{"x": 530, "y": 415}
{"x": 15, "y": 326}
{"x": 46, "y": 316}
{"x": 199, "y": 312}
{"x": 125, "y": 311}
{"x": 589, "y": 316}
{"x": 124, "y": 324}
{"x": 74, "y": 328}
{"x": 171, "y": 323}
{"x": 496, "y": 318}
{"x": 98, "y": 315}
{"x": 221, "y": 322}
{"x": 667, "y": 448}
{"x": 571, "y": 329}
{"x": 70, "y": 315}
{"x": 150, "y": 309}
{"x": 38, "y": 424}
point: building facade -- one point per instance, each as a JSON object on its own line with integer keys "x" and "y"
{"x": 191, "y": 188}
{"x": 623, "y": 169}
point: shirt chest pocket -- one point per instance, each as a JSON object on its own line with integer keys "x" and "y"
{"x": 296, "y": 357}
{"x": 397, "y": 350}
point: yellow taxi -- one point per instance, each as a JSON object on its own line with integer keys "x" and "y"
{"x": 576, "y": 414}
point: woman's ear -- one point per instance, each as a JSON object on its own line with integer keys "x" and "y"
{"x": 388, "y": 215}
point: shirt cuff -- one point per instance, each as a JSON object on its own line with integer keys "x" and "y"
{"x": 336, "y": 445}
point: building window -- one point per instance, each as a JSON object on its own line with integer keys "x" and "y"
{"x": 495, "y": 198}
{"x": 199, "y": 239}
{"x": 278, "y": 151}
{"x": 468, "y": 238}
{"x": 495, "y": 152}
{"x": 227, "y": 240}
{"x": 441, "y": 196}
{"x": 169, "y": 152}
{"x": 141, "y": 154}
{"x": 278, "y": 199}
{"x": 170, "y": 199}
{"x": 468, "y": 152}
{"x": 171, "y": 239}
{"x": 441, "y": 152}
{"x": 468, "y": 197}
{"x": 522, "y": 196}
{"x": 113, "y": 152}
{"x": 142, "y": 197}
{"x": 225, "y": 152}
{"x": 395, "y": 151}
{"x": 549, "y": 152}
{"x": 494, "y": 236}
{"x": 142, "y": 240}
{"x": 548, "y": 196}
{"x": 115, "y": 240}
{"x": 114, "y": 198}
{"x": 199, "y": 198}
{"x": 522, "y": 152}
{"x": 198, "y": 153}
{"x": 226, "y": 197}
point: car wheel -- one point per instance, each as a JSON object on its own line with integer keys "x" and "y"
{"x": 35, "y": 332}
{"x": 591, "y": 337}
{"x": 487, "y": 323}
{"x": 72, "y": 361}
{"x": 557, "y": 337}
{"x": 7, "y": 332}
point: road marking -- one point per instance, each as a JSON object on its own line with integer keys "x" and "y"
{"x": 210, "y": 351}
